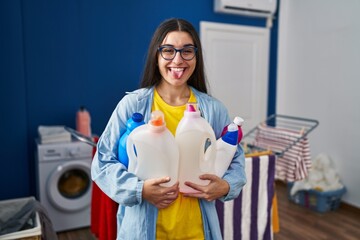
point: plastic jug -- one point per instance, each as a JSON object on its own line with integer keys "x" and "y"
{"x": 225, "y": 149}
{"x": 136, "y": 120}
{"x": 193, "y": 136}
{"x": 152, "y": 150}
{"x": 83, "y": 121}
{"x": 239, "y": 122}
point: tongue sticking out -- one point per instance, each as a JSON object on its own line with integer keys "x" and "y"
{"x": 177, "y": 73}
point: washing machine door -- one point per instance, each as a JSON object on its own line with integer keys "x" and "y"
{"x": 69, "y": 186}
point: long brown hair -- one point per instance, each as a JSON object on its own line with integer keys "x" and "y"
{"x": 151, "y": 75}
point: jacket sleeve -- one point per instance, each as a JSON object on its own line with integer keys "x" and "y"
{"x": 106, "y": 171}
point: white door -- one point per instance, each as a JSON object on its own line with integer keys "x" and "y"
{"x": 236, "y": 64}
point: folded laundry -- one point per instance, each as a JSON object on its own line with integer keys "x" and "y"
{"x": 53, "y": 134}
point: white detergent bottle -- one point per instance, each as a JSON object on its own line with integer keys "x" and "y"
{"x": 152, "y": 151}
{"x": 196, "y": 139}
{"x": 225, "y": 149}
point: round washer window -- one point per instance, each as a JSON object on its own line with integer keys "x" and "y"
{"x": 69, "y": 186}
{"x": 73, "y": 183}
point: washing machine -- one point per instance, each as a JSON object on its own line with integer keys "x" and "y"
{"x": 64, "y": 183}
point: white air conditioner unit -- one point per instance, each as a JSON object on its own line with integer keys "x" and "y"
{"x": 254, "y": 8}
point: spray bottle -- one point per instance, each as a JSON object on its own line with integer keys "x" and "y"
{"x": 225, "y": 149}
{"x": 83, "y": 121}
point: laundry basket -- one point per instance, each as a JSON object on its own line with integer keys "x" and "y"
{"x": 316, "y": 200}
{"x": 12, "y": 211}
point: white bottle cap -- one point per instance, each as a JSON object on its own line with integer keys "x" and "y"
{"x": 232, "y": 127}
{"x": 238, "y": 121}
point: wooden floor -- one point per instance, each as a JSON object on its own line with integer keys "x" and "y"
{"x": 296, "y": 222}
{"x": 79, "y": 234}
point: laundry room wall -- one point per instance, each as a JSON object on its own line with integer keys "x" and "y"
{"x": 59, "y": 55}
{"x": 318, "y": 77}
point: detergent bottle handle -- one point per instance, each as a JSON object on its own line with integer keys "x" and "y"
{"x": 133, "y": 160}
{"x": 208, "y": 155}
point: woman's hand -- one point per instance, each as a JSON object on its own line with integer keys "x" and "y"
{"x": 215, "y": 189}
{"x": 158, "y": 195}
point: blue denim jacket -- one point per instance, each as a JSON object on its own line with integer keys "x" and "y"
{"x": 137, "y": 217}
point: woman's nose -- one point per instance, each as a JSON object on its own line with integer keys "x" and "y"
{"x": 178, "y": 58}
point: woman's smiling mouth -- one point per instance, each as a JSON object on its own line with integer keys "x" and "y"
{"x": 177, "y": 72}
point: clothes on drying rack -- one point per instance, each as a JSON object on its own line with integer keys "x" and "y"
{"x": 295, "y": 163}
{"x": 249, "y": 216}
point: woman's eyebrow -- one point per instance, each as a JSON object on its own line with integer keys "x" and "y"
{"x": 167, "y": 45}
{"x": 185, "y": 45}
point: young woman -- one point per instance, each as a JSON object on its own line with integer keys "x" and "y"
{"x": 173, "y": 76}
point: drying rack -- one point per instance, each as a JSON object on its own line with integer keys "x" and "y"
{"x": 285, "y": 130}
{"x": 81, "y": 137}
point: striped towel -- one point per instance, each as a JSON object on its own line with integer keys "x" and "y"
{"x": 248, "y": 217}
{"x": 295, "y": 163}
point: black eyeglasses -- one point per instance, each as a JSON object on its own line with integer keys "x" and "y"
{"x": 169, "y": 52}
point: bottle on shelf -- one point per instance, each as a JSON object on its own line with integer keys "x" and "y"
{"x": 152, "y": 150}
{"x": 83, "y": 121}
{"x": 136, "y": 120}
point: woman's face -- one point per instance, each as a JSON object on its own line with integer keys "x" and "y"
{"x": 177, "y": 71}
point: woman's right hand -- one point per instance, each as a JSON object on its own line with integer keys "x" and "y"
{"x": 158, "y": 195}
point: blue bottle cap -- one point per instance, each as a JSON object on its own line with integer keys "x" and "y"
{"x": 231, "y": 136}
{"x": 137, "y": 117}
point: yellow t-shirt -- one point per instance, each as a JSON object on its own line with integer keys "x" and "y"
{"x": 182, "y": 219}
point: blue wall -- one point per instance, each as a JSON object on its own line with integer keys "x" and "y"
{"x": 58, "y": 55}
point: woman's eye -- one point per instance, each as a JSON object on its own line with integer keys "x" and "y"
{"x": 188, "y": 51}
{"x": 168, "y": 50}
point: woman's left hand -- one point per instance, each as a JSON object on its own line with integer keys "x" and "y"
{"x": 215, "y": 189}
